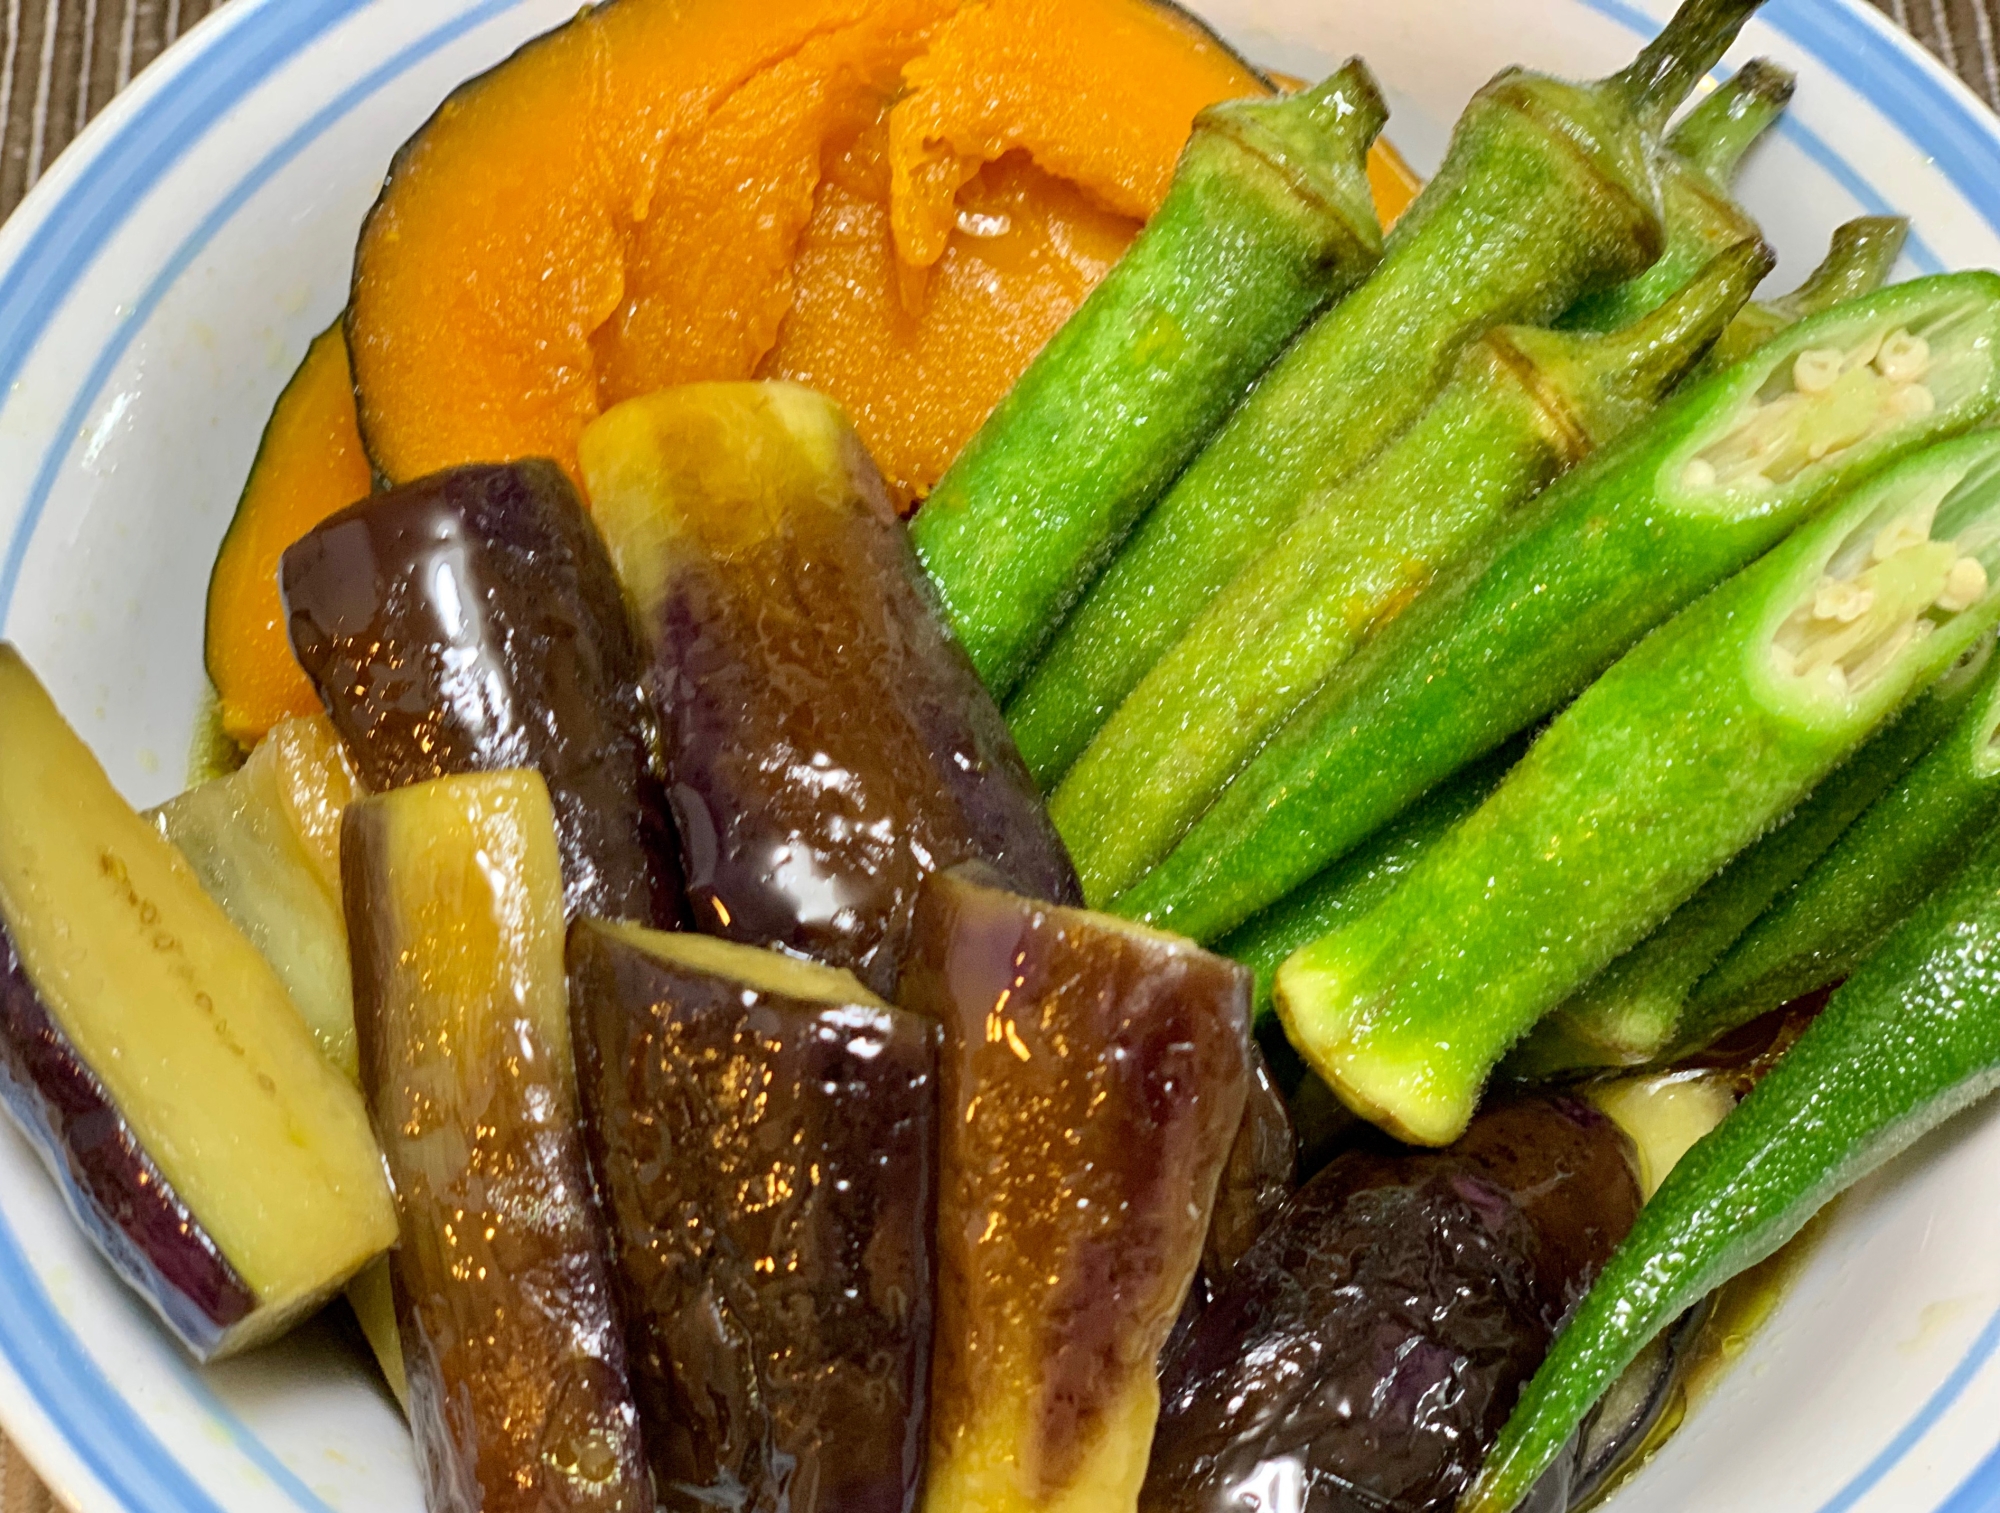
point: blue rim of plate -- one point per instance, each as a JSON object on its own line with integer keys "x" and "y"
{"x": 201, "y": 81}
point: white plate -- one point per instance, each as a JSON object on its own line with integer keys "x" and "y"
{"x": 159, "y": 285}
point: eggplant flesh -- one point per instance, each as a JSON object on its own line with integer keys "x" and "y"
{"x": 514, "y": 1354}
{"x": 471, "y": 622}
{"x": 157, "y": 1063}
{"x": 1094, "y": 1076}
{"x": 827, "y": 742}
{"x": 764, "y": 1133}
{"x": 1365, "y": 1352}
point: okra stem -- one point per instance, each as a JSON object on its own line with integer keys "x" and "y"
{"x": 1724, "y": 127}
{"x": 1524, "y": 406}
{"x": 1668, "y": 68}
{"x": 1544, "y": 601}
{"x": 1912, "y": 1039}
{"x": 1858, "y": 262}
{"x": 1897, "y": 853}
{"x": 1268, "y": 218}
{"x": 1548, "y": 191}
{"x": 1696, "y": 170}
{"x": 1663, "y": 770}
{"x": 1633, "y": 1010}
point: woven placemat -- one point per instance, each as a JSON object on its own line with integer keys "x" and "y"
{"x": 65, "y": 59}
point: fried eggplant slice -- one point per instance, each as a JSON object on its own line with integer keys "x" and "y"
{"x": 827, "y": 742}
{"x": 157, "y": 1064}
{"x": 471, "y": 622}
{"x": 1364, "y": 1353}
{"x": 764, "y": 1129}
{"x": 512, "y": 1345}
{"x": 1094, "y": 1076}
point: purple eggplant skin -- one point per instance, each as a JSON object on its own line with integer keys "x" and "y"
{"x": 1257, "y": 1180}
{"x": 471, "y": 622}
{"x": 119, "y": 1197}
{"x": 767, "y": 1162}
{"x": 827, "y": 742}
{"x": 1093, "y": 1079}
{"x": 519, "y": 1395}
{"x": 1366, "y": 1350}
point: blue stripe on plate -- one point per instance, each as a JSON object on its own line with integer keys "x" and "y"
{"x": 114, "y": 1445}
{"x": 107, "y": 1436}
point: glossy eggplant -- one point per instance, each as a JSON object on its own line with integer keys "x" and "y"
{"x": 156, "y": 1062}
{"x": 1258, "y": 1178}
{"x": 764, "y": 1131}
{"x": 471, "y": 622}
{"x": 265, "y": 842}
{"x": 1094, "y": 1078}
{"x": 518, "y": 1393}
{"x": 1367, "y": 1349}
{"x": 827, "y": 742}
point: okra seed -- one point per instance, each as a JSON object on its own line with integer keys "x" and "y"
{"x": 1899, "y": 535}
{"x": 1904, "y": 358}
{"x": 1817, "y": 369}
{"x": 1699, "y": 474}
{"x": 1964, "y": 585}
{"x": 1913, "y": 401}
{"x": 1838, "y": 599}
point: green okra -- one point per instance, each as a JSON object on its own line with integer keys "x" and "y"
{"x": 1662, "y": 770}
{"x": 1859, "y": 261}
{"x": 1524, "y": 405}
{"x": 1913, "y": 1038}
{"x": 1899, "y": 851}
{"x": 1544, "y": 601}
{"x": 1697, "y": 168}
{"x": 1269, "y": 217}
{"x": 1547, "y": 190}
{"x": 1631, "y": 1012}
{"x": 1362, "y": 878}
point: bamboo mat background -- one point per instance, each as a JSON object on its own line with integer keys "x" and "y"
{"x": 65, "y": 59}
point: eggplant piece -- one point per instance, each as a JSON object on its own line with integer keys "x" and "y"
{"x": 764, "y": 1130}
{"x": 827, "y": 743}
{"x": 512, "y": 1345}
{"x": 1258, "y": 1178}
{"x": 1094, "y": 1077}
{"x": 1367, "y": 1349}
{"x": 471, "y": 622}
{"x": 157, "y": 1064}
{"x": 265, "y": 844}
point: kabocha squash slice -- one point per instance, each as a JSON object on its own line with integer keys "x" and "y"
{"x": 309, "y": 465}
{"x": 619, "y": 206}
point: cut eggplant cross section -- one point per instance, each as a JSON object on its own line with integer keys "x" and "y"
{"x": 827, "y": 742}
{"x": 155, "y": 1061}
{"x": 764, "y": 1131}
{"x": 1094, "y": 1079}
{"x": 265, "y": 842}
{"x": 471, "y": 622}
{"x": 514, "y": 1352}
{"x": 1366, "y": 1350}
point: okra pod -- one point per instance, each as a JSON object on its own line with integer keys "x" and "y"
{"x": 1630, "y": 1013}
{"x": 1896, "y": 854}
{"x": 1664, "y": 769}
{"x": 1545, "y": 601}
{"x": 1697, "y": 168}
{"x": 1359, "y": 880}
{"x": 1268, "y": 218}
{"x": 1859, "y": 260}
{"x": 1913, "y": 1038}
{"x": 1547, "y": 191}
{"x": 1524, "y": 406}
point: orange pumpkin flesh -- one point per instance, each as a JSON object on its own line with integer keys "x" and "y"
{"x": 624, "y": 204}
{"x": 309, "y": 465}
{"x": 729, "y": 206}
